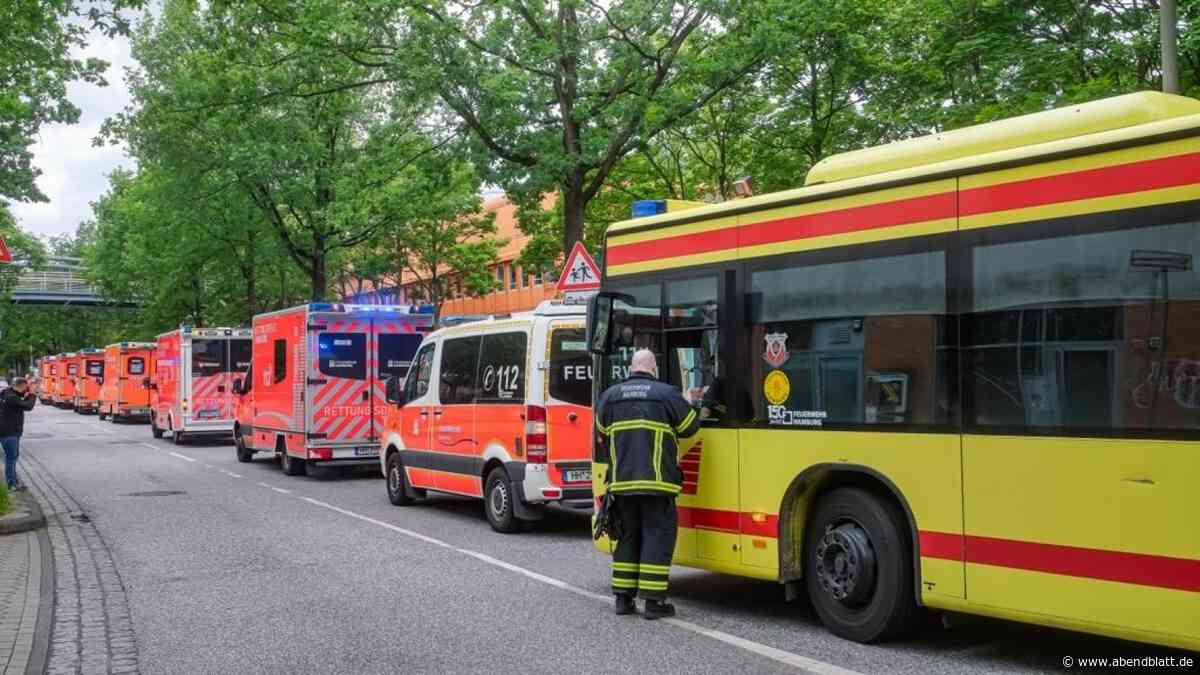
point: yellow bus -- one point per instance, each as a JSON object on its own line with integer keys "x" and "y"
{"x": 959, "y": 372}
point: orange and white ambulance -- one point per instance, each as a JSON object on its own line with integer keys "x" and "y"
{"x": 315, "y": 391}
{"x": 64, "y": 384}
{"x": 191, "y": 386}
{"x": 127, "y": 366}
{"x": 48, "y": 374}
{"x": 89, "y": 379}
{"x": 497, "y": 409}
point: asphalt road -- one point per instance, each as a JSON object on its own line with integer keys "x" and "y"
{"x": 233, "y": 567}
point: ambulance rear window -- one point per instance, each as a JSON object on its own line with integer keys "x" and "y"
{"x": 570, "y": 367}
{"x": 396, "y": 352}
{"x": 95, "y": 368}
{"x": 209, "y": 358}
{"x": 137, "y": 365}
{"x": 239, "y": 355}
{"x": 342, "y": 355}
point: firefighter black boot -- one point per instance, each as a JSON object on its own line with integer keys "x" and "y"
{"x": 658, "y": 609}
{"x": 625, "y": 604}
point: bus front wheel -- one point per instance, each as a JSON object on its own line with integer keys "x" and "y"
{"x": 858, "y": 566}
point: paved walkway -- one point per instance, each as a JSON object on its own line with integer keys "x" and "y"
{"x": 20, "y": 587}
{"x": 93, "y": 631}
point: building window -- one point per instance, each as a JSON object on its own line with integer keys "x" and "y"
{"x": 499, "y": 276}
{"x": 537, "y": 278}
{"x": 512, "y": 277}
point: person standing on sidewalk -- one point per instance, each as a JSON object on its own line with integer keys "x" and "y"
{"x": 14, "y": 403}
{"x": 638, "y": 421}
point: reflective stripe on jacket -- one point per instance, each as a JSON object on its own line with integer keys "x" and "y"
{"x": 637, "y": 424}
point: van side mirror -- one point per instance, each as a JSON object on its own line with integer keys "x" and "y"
{"x": 394, "y": 391}
{"x": 237, "y": 386}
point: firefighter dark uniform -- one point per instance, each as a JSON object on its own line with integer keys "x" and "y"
{"x": 638, "y": 422}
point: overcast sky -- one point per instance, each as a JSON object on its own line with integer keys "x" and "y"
{"x": 74, "y": 172}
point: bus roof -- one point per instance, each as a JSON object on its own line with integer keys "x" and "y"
{"x": 1107, "y": 122}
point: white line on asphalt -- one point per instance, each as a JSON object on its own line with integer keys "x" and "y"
{"x": 795, "y": 660}
{"x": 280, "y": 490}
{"x": 176, "y": 454}
{"x": 152, "y": 446}
{"x": 230, "y": 473}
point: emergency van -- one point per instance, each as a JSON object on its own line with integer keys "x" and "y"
{"x": 88, "y": 380}
{"x": 124, "y": 394}
{"x": 315, "y": 390}
{"x": 48, "y": 373}
{"x": 497, "y": 409}
{"x": 191, "y": 385}
{"x": 64, "y": 384}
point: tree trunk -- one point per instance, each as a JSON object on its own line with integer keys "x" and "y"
{"x": 251, "y": 277}
{"x": 317, "y": 275}
{"x": 573, "y": 210}
{"x": 1169, "y": 21}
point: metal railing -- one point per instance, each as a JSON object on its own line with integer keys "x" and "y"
{"x": 53, "y": 281}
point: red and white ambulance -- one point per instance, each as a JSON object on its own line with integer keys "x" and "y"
{"x": 315, "y": 391}
{"x": 88, "y": 380}
{"x": 124, "y": 396}
{"x": 48, "y": 375}
{"x": 192, "y": 382}
{"x": 498, "y": 409}
{"x": 64, "y": 384}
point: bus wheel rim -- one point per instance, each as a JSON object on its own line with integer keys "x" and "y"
{"x": 499, "y": 499}
{"x": 394, "y": 479}
{"x": 846, "y": 564}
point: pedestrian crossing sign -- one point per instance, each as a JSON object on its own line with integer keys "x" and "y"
{"x": 581, "y": 273}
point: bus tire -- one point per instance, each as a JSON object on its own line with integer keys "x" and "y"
{"x": 292, "y": 466}
{"x": 154, "y": 430}
{"x": 178, "y": 437}
{"x": 100, "y": 415}
{"x": 858, "y": 567}
{"x": 498, "y": 502}
{"x": 397, "y": 482}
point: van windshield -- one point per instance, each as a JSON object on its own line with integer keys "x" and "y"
{"x": 570, "y": 367}
{"x": 209, "y": 358}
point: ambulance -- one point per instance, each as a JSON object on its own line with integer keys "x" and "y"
{"x": 498, "y": 409}
{"x": 88, "y": 380}
{"x": 48, "y": 373}
{"x": 127, "y": 366}
{"x": 64, "y": 384}
{"x": 191, "y": 385}
{"x": 315, "y": 391}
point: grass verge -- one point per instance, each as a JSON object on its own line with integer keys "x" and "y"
{"x": 3, "y": 499}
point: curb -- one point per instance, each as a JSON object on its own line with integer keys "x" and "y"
{"x": 45, "y": 617}
{"x": 32, "y": 520}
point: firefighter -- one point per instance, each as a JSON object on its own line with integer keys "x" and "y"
{"x": 638, "y": 421}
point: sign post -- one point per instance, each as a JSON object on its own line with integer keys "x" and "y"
{"x": 580, "y": 276}
{"x": 5, "y": 254}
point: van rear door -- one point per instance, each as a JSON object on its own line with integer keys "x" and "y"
{"x": 338, "y": 380}
{"x": 568, "y": 406}
{"x": 209, "y": 398}
{"x": 395, "y": 344}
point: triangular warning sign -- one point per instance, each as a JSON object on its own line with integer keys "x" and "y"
{"x": 6, "y": 256}
{"x": 580, "y": 273}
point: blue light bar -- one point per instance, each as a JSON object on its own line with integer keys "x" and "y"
{"x": 649, "y": 207}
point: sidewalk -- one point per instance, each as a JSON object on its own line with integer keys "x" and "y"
{"x": 20, "y": 592}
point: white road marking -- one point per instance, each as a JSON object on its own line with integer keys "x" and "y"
{"x": 231, "y": 474}
{"x": 176, "y": 454}
{"x": 794, "y": 660}
{"x": 152, "y": 446}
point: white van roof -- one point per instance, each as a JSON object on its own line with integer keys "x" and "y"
{"x": 550, "y": 308}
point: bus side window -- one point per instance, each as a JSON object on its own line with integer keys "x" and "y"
{"x": 279, "y": 373}
{"x": 693, "y": 356}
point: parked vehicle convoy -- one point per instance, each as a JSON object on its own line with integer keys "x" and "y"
{"x": 89, "y": 380}
{"x": 48, "y": 379}
{"x": 125, "y": 396}
{"x": 497, "y": 409}
{"x": 314, "y": 394}
{"x": 191, "y": 392}
{"x": 949, "y": 372}
{"x": 64, "y": 385}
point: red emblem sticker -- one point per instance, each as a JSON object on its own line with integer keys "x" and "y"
{"x": 776, "y": 353}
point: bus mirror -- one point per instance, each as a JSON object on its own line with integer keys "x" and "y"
{"x": 599, "y": 320}
{"x": 394, "y": 391}
{"x": 237, "y": 386}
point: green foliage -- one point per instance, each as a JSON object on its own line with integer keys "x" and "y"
{"x": 4, "y": 503}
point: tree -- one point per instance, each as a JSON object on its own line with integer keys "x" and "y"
{"x": 553, "y": 93}
{"x": 36, "y": 65}
{"x": 207, "y": 104}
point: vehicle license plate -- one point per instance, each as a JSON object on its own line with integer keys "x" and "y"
{"x": 577, "y": 475}
{"x": 366, "y": 452}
